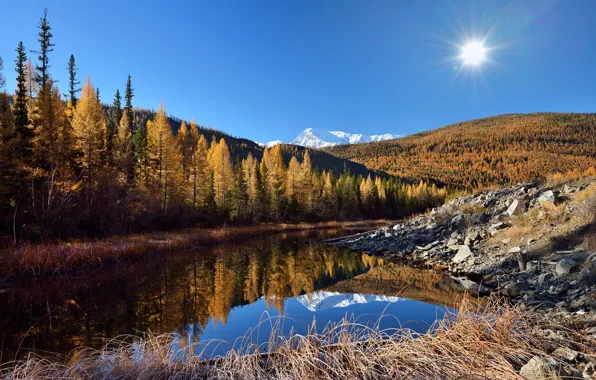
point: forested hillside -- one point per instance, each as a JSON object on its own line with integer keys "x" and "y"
{"x": 478, "y": 153}
{"x": 71, "y": 166}
{"x": 241, "y": 147}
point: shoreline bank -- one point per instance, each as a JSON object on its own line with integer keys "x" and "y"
{"x": 46, "y": 260}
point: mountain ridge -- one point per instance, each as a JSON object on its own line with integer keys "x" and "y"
{"x": 496, "y": 150}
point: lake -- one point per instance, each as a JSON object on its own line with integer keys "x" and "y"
{"x": 220, "y": 293}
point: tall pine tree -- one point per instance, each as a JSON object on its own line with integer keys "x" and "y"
{"x": 72, "y": 82}
{"x": 128, "y": 95}
{"x": 46, "y": 46}
{"x": 21, "y": 115}
{"x": 115, "y": 115}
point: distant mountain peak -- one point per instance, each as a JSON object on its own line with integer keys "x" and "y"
{"x": 316, "y": 138}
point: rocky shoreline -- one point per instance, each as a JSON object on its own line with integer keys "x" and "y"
{"x": 532, "y": 243}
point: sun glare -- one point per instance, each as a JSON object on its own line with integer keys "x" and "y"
{"x": 473, "y": 53}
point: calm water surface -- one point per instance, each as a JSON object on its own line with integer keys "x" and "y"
{"x": 220, "y": 293}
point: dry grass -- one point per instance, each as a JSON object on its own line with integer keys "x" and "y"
{"x": 37, "y": 260}
{"x": 479, "y": 342}
{"x": 585, "y": 204}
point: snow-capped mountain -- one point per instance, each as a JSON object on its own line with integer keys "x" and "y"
{"x": 314, "y": 138}
{"x": 322, "y": 300}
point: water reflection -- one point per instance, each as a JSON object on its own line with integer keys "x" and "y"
{"x": 191, "y": 293}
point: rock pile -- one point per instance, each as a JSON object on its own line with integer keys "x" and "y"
{"x": 463, "y": 237}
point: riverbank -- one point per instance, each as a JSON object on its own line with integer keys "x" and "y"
{"x": 43, "y": 260}
{"x": 491, "y": 341}
{"x": 532, "y": 243}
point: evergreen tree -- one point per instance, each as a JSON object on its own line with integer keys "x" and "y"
{"x": 128, "y": 95}
{"x": 140, "y": 150}
{"x": 72, "y": 82}
{"x": 9, "y": 165}
{"x": 113, "y": 127}
{"x": 2, "y": 79}
{"x": 239, "y": 196}
{"x": 21, "y": 115}
{"x": 42, "y": 76}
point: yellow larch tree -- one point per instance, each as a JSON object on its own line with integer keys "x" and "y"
{"x": 165, "y": 160}
{"x": 125, "y": 147}
{"x": 199, "y": 167}
{"x": 89, "y": 127}
{"x": 292, "y": 179}
{"x": 273, "y": 160}
{"x": 223, "y": 174}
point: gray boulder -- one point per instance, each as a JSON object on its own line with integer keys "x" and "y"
{"x": 547, "y": 196}
{"x": 458, "y": 222}
{"x": 462, "y": 254}
{"x": 515, "y": 289}
{"x": 565, "y": 266}
{"x": 513, "y": 207}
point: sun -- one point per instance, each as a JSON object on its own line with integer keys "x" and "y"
{"x": 473, "y": 53}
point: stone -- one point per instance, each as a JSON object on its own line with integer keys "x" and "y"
{"x": 452, "y": 242}
{"x": 429, "y": 246}
{"x": 495, "y": 227}
{"x": 462, "y": 254}
{"x": 515, "y": 250}
{"x": 471, "y": 286}
{"x": 566, "y": 353}
{"x": 531, "y": 266}
{"x": 565, "y": 266}
{"x": 480, "y": 218}
{"x": 547, "y": 196}
{"x": 513, "y": 207}
{"x": 539, "y": 368}
{"x": 458, "y": 222}
{"x": 506, "y": 241}
{"x": 589, "y": 371}
{"x": 515, "y": 289}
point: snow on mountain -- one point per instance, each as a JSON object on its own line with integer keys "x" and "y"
{"x": 322, "y": 300}
{"x": 270, "y": 144}
{"x": 314, "y": 138}
{"x": 386, "y": 136}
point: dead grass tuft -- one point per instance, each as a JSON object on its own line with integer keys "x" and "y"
{"x": 585, "y": 204}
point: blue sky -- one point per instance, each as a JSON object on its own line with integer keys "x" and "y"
{"x": 267, "y": 69}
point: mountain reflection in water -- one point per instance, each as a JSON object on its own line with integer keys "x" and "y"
{"x": 199, "y": 294}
